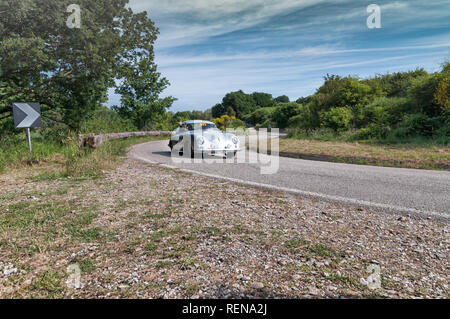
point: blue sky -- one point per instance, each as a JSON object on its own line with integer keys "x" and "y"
{"x": 210, "y": 47}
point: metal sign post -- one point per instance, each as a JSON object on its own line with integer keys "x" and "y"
{"x": 27, "y": 115}
{"x": 29, "y": 140}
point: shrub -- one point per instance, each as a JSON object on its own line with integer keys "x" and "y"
{"x": 419, "y": 124}
{"x": 260, "y": 117}
{"x": 442, "y": 95}
{"x": 303, "y": 121}
{"x": 337, "y": 118}
{"x": 423, "y": 93}
{"x": 372, "y": 132}
{"x": 284, "y": 112}
{"x": 386, "y": 111}
{"x": 226, "y": 121}
{"x": 104, "y": 120}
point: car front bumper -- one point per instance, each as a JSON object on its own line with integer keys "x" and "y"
{"x": 216, "y": 149}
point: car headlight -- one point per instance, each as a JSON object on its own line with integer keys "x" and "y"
{"x": 235, "y": 140}
{"x": 200, "y": 140}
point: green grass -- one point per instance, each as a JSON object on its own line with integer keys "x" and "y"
{"x": 211, "y": 230}
{"x": 156, "y": 216}
{"x": 14, "y": 150}
{"x": 296, "y": 243}
{"x": 82, "y": 163}
{"x": 88, "y": 265}
{"x": 325, "y": 251}
{"x": 346, "y": 281}
{"x": 151, "y": 247}
{"x": 29, "y": 227}
{"x": 50, "y": 284}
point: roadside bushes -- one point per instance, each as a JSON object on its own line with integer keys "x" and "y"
{"x": 284, "y": 112}
{"x": 226, "y": 121}
{"x": 261, "y": 117}
{"x": 105, "y": 120}
{"x": 337, "y": 118}
{"x": 372, "y": 132}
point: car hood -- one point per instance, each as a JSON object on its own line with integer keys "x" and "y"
{"x": 212, "y": 135}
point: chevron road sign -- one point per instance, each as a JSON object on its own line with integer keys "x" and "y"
{"x": 27, "y": 115}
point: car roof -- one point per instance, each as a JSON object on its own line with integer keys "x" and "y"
{"x": 197, "y": 122}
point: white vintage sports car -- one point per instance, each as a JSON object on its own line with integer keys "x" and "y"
{"x": 203, "y": 137}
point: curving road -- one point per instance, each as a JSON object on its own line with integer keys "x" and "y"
{"x": 417, "y": 192}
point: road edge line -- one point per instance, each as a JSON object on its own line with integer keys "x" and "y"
{"x": 328, "y": 198}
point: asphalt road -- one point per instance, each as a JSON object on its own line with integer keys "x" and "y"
{"x": 419, "y": 192}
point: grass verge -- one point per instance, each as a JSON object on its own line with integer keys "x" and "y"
{"x": 63, "y": 160}
{"x": 396, "y": 155}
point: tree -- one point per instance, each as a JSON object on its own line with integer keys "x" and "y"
{"x": 69, "y": 71}
{"x": 282, "y": 99}
{"x": 346, "y": 92}
{"x": 422, "y": 94}
{"x": 284, "y": 112}
{"x": 218, "y": 110}
{"x": 260, "y": 117}
{"x": 263, "y": 99}
{"x": 240, "y": 102}
{"x": 303, "y": 121}
{"x": 226, "y": 121}
{"x": 140, "y": 92}
{"x": 396, "y": 84}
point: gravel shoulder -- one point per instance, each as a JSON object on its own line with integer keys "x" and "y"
{"x": 144, "y": 231}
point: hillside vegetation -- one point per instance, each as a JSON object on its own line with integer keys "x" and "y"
{"x": 401, "y": 107}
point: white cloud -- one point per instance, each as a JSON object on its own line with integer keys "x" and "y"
{"x": 168, "y": 61}
{"x": 286, "y": 56}
{"x": 184, "y": 22}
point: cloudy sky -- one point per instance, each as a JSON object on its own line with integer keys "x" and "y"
{"x": 210, "y": 47}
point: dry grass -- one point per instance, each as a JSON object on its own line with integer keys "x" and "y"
{"x": 408, "y": 156}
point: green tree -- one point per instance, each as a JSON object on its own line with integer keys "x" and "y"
{"x": 422, "y": 95}
{"x": 304, "y": 120}
{"x": 284, "y": 112}
{"x": 140, "y": 91}
{"x": 218, "y": 110}
{"x": 396, "y": 84}
{"x": 263, "y": 99}
{"x": 69, "y": 71}
{"x": 260, "y": 117}
{"x": 240, "y": 102}
{"x": 282, "y": 99}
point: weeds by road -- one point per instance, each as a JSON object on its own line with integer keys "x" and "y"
{"x": 65, "y": 158}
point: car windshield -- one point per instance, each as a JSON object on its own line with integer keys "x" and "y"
{"x": 200, "y": 126}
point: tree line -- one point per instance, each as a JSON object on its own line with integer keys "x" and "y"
{"x": 398, "y": 105}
